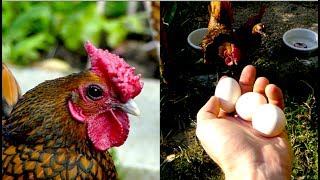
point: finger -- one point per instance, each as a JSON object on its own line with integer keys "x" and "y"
{"x": 260, "y": 85}
{"x": 222, "y": 114}
{"x": 210, "y": 110}
{"x": 275, "y": 95}
{"x": 247, "y": 78}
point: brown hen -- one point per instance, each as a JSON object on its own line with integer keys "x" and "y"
{"x": 217, "y": 43}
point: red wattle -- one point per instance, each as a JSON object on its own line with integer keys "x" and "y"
{"x": 228, "y": 61}
{"x": 235, "y": 52}
{"x": 108, "y": 129}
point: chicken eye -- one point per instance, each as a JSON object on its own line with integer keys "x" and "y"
{"x": 94, "y": 92}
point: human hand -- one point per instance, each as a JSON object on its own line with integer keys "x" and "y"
{"x": 240, "y": 151}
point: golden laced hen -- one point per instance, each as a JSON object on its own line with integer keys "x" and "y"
{"x": 62, "y": 128}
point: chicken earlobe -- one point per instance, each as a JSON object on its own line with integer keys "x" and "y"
{"x": 76, "y": 112}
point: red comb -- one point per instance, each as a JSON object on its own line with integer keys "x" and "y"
{"x": 116, "y": 69}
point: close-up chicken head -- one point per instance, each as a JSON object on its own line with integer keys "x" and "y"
{"x": 103, "y": 104}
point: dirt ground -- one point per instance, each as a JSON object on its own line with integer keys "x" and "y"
{"x": 192, "y": 83}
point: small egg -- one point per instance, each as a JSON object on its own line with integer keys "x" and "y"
{"x": 248, "y": 103}
{"x": 269, "y": 120}
{"x": 228, "y": 91}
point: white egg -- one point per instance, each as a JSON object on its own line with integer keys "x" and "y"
{"x": 228, "y": 91}
{"x": 269, "y": 120}
{"x": 248, "y": 103}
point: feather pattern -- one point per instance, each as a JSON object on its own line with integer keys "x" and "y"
{"x": 35, "y": 142}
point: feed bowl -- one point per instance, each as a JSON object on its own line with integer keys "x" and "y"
{"x": 302, "y": 40}
{"x": 196, "y": 36}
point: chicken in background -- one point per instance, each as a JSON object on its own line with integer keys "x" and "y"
{"x": 63, "y": 128}
{"x": 249, "y": 35}
{"x": 11, "y": 91}
{"x": 217, "y": 43}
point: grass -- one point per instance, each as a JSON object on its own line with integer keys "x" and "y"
{"x": 188, "y": 160}
{"x": 302, "y": 127}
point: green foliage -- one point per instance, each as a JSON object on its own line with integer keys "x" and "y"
{"x": 26, "y": 34}
{"x": 122, "y": 26}
{"x": 80, "y": 25}
{"x": 115, "y": 9}
{"x": 168, "y": 15}
{"x": 31, "y": 29}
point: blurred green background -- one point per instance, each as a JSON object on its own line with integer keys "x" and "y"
{"x": 32, "y": 31}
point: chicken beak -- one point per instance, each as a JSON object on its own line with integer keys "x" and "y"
{"x": 130, "y": 107}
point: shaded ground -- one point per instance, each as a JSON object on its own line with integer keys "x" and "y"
{"x": 191, "y": 84}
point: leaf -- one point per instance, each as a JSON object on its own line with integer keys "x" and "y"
{"x": 115, "y": 9}
{"x": 116, "y": 33}
{"x": 81, "y": 25}
{"x": 171, "y": 157}
{"x": 27, "y": 50}
{"x": 168, "y": 16}
{"x": 118, "y": 29}
{"x": 134, "y": 23}
{"x": 35, "y": 20}
{"x": 6, "y": 51}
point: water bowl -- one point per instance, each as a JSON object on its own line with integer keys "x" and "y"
{"x": 302, "y": 40}
{"x": 195, "y": 37}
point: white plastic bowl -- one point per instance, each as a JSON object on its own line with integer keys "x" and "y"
{"x": 195, "y": 37}
{"x": 299, "y": 39}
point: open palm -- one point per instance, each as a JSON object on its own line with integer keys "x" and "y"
{"x": 238, "y": 148}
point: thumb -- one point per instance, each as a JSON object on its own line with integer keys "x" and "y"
{"x": 210, "y": 110}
